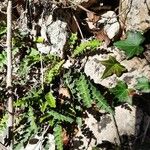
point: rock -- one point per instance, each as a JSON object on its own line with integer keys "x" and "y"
{"x": 36, "y": 143}
{"x": 111, "y": 24}
{"x": 57, "y": 34}
{"x": 128, "y": 120}
{"x": 136, "y": 67}
{"x": 134, "y": 15}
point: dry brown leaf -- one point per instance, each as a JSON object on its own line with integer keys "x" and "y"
{"x": 65, "y": 137}
{"x": 64, "y": 92}
{"x": 92, "y": 17}
{"x": 101, "y": 35}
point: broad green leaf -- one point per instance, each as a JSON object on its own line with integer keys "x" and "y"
{"x": 131, "y": 45}
{"x": 50, "y": 99}
{"x": 121, "y": 92}
{"x": 112, "y": 67}
{"x": 143, "y": 84}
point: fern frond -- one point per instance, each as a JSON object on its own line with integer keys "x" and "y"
{"x": 84, "y": 91}
{"x": 59, "y": 117}
{"x": 52, "y": 72}
{"x": 82, "y": 48}
{"x": 58, "y": 137}
{"x": 3, "y": 122}
{"x": 101, "y": 102}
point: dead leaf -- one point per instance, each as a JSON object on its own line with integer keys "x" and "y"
{"x": 101, "y": 35}
{"x": 92, "y": 17}
{"x": 64, "y": 92}
{"x": 65, "y": 137}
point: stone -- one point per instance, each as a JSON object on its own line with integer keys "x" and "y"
{"x": 126, "y": 121}
{"x": 111, "y": 24}
{"x": 135, "y": 14}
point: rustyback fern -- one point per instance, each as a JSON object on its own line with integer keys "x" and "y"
{"x": 59, "y": 117}
{"x": 84, "y": 46}
{"x": 52, "y": 72}
{"x": 58, "y": 137}
{"x": 3, "y": 122}
{"x": 100, "y": 100}
{"x": 84, "y": 91}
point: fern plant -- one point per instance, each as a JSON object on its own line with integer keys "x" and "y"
{"x": 86, "y": 46}
{"x": 58, "y": 136}
{"x": 100, "y": 100}
{"x": 52, "y": 72}
{"x": 83, "y": 89}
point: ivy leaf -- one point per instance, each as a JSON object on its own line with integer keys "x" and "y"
{"x": 112, "y": 67}
{"x": 143, "y": 84}
{"x": 131, "y": 45}
{"x": 50, "y": 100}
{"x": 121, "y": 92}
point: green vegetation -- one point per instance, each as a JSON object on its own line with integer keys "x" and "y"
{"x": 38, "y": 106}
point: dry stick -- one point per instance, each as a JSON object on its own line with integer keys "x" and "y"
{"x": 74, "y": 17}
{"x": 42, "y": 73}
{"x": 145, "y": 132}
{"x": 9, "y": 75}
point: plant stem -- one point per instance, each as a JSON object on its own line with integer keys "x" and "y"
{"x": 9, "y": 75}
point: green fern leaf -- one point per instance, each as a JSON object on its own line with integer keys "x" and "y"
{"x": 50, "y": 100}
{"x": 101, "y": 102}
{"x": 3, "y": 123}
{"x": 60, "y": 117}
{"x": 52, "y": 72}
{"x": 58, "y": 137}
{"x": 84, "y": 91}
{"x": 83, "y": 47}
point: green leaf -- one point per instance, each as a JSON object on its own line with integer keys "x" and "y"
{"x": 39, "y": 39}
{"x": 82, "y": 48}
{"x": 84, "y": 91}
{"x": 112, "y": 67}
{"x": 58, "y": 137}
{"x": 100, "y": 100}
{"x": 121, "y": 92}
{"x": 59, "y": 117}
{"x": 131, "y": 45}
{"x": 73, "y": 39}
{"x": 3, "y": 28}
{"x": 143, "y": 84}
{"x": 50, "y": 99}
{"x": 52, "y": 72}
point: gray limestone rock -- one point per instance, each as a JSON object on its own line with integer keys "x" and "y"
{"x": 135, "y": 14}
{"x": 125, "y": 122}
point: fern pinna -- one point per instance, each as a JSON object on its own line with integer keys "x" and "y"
{"x": 58, "y": 136}
{"x": 87, "y": 93}
{"x": 83, "y": 89}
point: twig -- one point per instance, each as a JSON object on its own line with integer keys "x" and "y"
{"x": 81, "y": 7}
{"x": 117, "y": 129}
{"x": 9, "y": 76}
{"x": 148, "y": 123}
{"x": 74, "y": 17}
{"x": 42, "y": 74}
